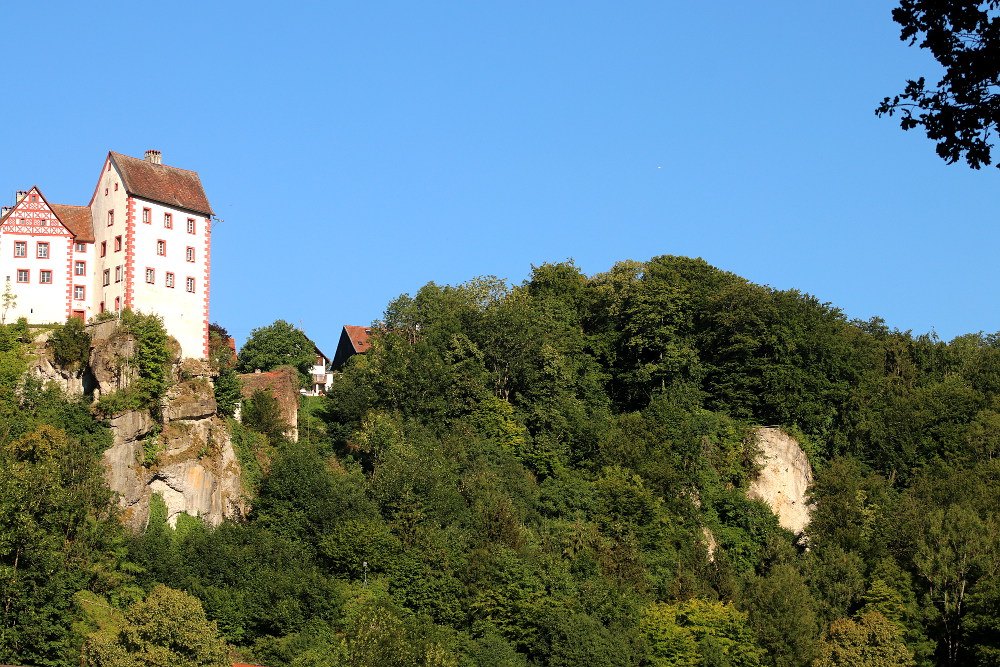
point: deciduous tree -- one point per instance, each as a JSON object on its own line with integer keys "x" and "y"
{"x": 962, "y": 110}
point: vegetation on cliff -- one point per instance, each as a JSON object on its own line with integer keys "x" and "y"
{"x": 524, "y": 475}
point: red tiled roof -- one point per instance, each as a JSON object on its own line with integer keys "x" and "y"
{"x": 359, "y": 337}
{"x": 77, "y": 219}
{"x": 161, "y": 183}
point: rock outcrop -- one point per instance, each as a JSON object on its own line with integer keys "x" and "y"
{"x": 784, "y": 479}
{"x": 186, "y": 454}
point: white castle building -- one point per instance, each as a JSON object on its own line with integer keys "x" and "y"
{"x": 143, "y": 242}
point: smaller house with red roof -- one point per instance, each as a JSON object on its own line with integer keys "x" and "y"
{"x": 353, "y": 340}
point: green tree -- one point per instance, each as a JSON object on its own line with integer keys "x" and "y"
{"x": 961, "y": 112}
{"x": 871, "y": 640}
{"x": 279, "y": 344}
{"x": 167, "y": 629}
{"x": 699, "y": 632}
{"x": 262, "y": 413}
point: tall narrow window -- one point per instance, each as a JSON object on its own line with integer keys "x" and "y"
{"x": 189, "y": 254}
{"x": 170, "y": 279}
{"x": 107, "y": 277}
{"x": 118, "y": 303}
{"x": 111, "y": 218}
{"x": 146, "y": 215}
{"x": 150, "y": 276}
{"x": 190, "y": 284}
{"x": 118, "y": 244}
{"x": 168, "y": 221}
{"x": 190, "y": 225}
{"x": 161, "y": 247}
{"x": 118, "y": 273}
{"x": 43, "y": 250}
{"x": 104, "y": 248}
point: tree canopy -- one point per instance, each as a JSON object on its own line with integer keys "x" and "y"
{"x": 278, "y": 344}
{"x": 962, "y": 111}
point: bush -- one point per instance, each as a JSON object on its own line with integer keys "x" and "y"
{"x": 70, "y": 344}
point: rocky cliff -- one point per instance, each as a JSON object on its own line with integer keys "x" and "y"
{"x": 784, "y": 478}
{"x": 185, "y": 454}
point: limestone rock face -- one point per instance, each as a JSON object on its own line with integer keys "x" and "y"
{"x": 186, "y": 455}
{"x": 191, "y": 399}
{"x": 188, "y": 458}
{"x": 784, "y": 479}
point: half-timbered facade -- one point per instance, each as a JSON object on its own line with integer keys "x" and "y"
{"x": 143, "y": 242}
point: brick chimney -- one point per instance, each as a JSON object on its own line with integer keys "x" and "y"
{"x": 154, "y": 157}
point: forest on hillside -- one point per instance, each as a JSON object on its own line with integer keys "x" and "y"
{"x": 523, "y": 476}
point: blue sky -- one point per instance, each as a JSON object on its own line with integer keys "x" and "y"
{"x": 355, "y": 151}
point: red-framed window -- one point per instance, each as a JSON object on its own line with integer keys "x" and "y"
{"x": 150, "y": 275}
{"x": 170, "y": 280}
{"x": 104, "y": 248}
{"x": 118, "y": 244}
{"x": 107, "y": 277}
{"x": 161, "y": 247}
{"x": 189, "y": 254}
{"x": 81, "y": 247}
{"x": 45, "y": 277}
{"x": 111, "y": 218}
{"x": 168, "y": 221}
{"x": 147, "y": 215}
{"x": 79, "y": 268}
{"x": 118, "y": 273}
{"x": 190, "y": 226}
{"x": 23, "y": 275}
{"x": 189, "y": 285}
{"x": 43, "y": 250}
{"x": 79, "y": 292}
{"x": 20, "y": 248}
{"x": 118, "y": 303}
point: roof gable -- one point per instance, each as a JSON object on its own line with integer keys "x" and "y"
{"x": 34, "y": 210}
{"x": 175, "y": 187}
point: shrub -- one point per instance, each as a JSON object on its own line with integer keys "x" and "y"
{"x": 70, "y": 344}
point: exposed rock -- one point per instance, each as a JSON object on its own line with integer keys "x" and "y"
{"x": 186, "y": 455}
{"x": 783, "y": 479}
{"x": 189, "y": 400}
{"x": 110, "y": 363}
{"x": 206, "y": 486}
{"x": 710, "y": 544}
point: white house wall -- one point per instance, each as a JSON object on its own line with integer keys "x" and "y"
{"x": 39, "y": 303}
{"x": 185, "y": 312}
{"x": 109, "y": 197}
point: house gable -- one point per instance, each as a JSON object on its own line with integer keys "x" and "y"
{"x": 33, "y": 215}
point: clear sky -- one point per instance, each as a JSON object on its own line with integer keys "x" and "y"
{"x": 356, "y": 150}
